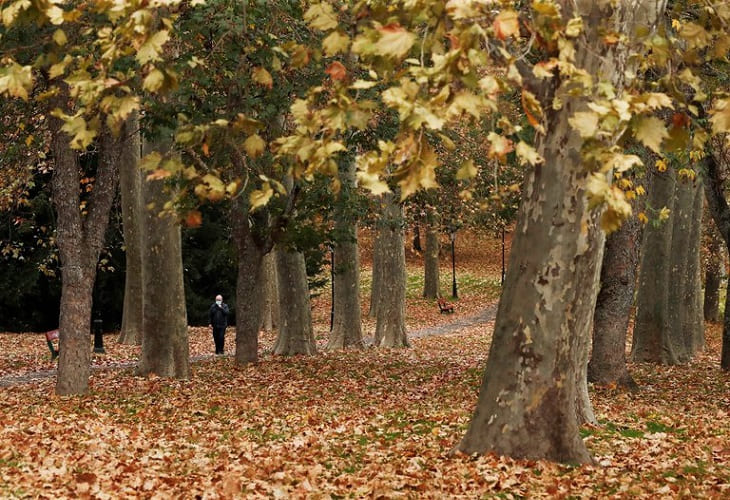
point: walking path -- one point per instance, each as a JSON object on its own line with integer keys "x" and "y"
{"x": 484, "y": 316}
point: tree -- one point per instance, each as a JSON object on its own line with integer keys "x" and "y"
{"x": 431, "y": 258}
{"x": 295, "y": 331}
{"x": 165, "y": 350}
{"x": 130, "y": 185}
{"x": 346, "y": 324}
{"x": 713, "y": 271}
{"x": 390, "y": 328}
{"x": 613, "y": 306}
{"x": 270, "y": 319}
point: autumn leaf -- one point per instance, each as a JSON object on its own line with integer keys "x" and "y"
{"x": 395, "y": 41}
{"x": 335, "y": 43}
{"x": 254, "y": 146}
{"x": 585, "y": 123}
{"x": 152, "y": 47}
{"x": 506, "y": 24}
{"x": 651, "y": 131}
{"x": 321, "y": 16}
{"x": 262, "y": 77}
{"x": 467, "y": 170}
{"x": 336, "y": 70}
{"x": 193, "y": 218}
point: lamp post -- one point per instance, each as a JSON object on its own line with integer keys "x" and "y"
{"x": 454, "y": 292}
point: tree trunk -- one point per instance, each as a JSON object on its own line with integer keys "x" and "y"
{"x": 296, "y": 335}
{"x": 535, "y": 374}
{"x": 249, "y": 286}
{"x": 694, "y": 325}
{"x": 650, "y": 341}
{"x": 390, "y": 328}
{"x": 270, "y": 288}
{"x": 431, "y": 261}
{"x": 346, "y": 324}
{"x": 165, "y": 350}
{"x": 130, "y": 180}
{"x": 714, "y": 182}
{"x": 713, "y": 276}
{"x": 80, "y": 238}
{"x": 377, "y": 278}
{"x": 613, "y": 307}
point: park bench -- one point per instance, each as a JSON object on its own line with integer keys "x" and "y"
{"x": 445, "y": 307}
{"x": 50, "y": 337}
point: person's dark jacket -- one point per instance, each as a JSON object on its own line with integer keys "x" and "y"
{"x": 219, "y": 315}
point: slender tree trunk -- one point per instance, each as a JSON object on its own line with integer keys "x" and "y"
{"x": 535, "y": 374}
{"x": 80, "y": 238}
{"x": 390, "y": 329}
{"x": 375, "y": 284}
{"x": 296, "y": 335}
{"x": 130, "y": 180}
{"x": 713, "y": 276}
{"x": 346, "y": 325}
{"x": 249, "y": 286}
{"x": 417, "y": 237}
{"x": 650, "y": 341}
{"x": 165, "y": 350}
{"x": 270, "y": 319}
{"x": 613, "y": 307}
{"x": 714, "y": 182}
{"x": 431, "y": 260}
{"x": 694, "y": 325}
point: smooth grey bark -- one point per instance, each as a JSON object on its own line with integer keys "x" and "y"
{"x": 249, "y": 285}
{"x": 165, "y": 350}
{"x": 713, "y": 275}
{"x": 80, "y": 238}
{"x": 270, "y": 288}
{"x": 650, "y": 340}
{"x": 296, "y": 335}
{"x": 714, "y": 182}
{"x": 613, "y": 306}
{"x": 431, "y": 260}
{"x": 390, "y": 327}
{"x": 534, "y": 381}
{"x": 346, "y": 325}
{"x": 694, "y": 325}
{"x": 130, "y": 187}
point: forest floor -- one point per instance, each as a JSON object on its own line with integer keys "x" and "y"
{"x": 372, "y": 423}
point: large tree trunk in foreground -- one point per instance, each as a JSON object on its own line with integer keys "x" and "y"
{"x": 390, "y": 328}
{"x": 613, "y": 307}
{"x": 532, "y": 383}
{"x": 165, "y": 350}
{"x": 249, "y": 296}
{"x": 130, "y": 186}
{"x": 296, "y": 335}
{"x": 346, "y": 324}
{"x": 713, "y": 275}
{"x": 431, "y": 261}
{"x": 80, "y": 239}
{"x": 650, "y": 341}
{"x": 716, "y": 201}
{"x": 270, "y": 288}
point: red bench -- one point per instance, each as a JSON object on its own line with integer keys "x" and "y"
{"x": 50, "y": 337}
{"x": 445, "y": 307}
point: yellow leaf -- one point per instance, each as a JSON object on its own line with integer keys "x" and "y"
{"x": 153, "y": 81}
{"x": 254, "y": 146}
{"x": 260, "y": 197}
{"x": 528, "y": 154}
{"x": 321, "y": 16}
{"x": 395, "y": 41}
{"x": 651, "y": 131}
{"x": 335, "y": 43}
{"x": 262, "y": 77}
{"x": 499, "y": 145}
{"x": 574, "y": 27}
{"x": 506, "y": 24}
{"x": 59, "y": 37}
{"x": 152, "y": 47}
{"x": 643, "y": 218}
{"x": 720, "y": 116}
{"x": 372, "y": 183}
{"x": 16, "y": 80}
{"x": 467, "y": 170}
{"x": 585, "y": 123}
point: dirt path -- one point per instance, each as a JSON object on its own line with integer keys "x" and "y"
{"x": 484, "y": 316}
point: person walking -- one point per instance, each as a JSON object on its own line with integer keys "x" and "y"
{"x": 219, "y": 322}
